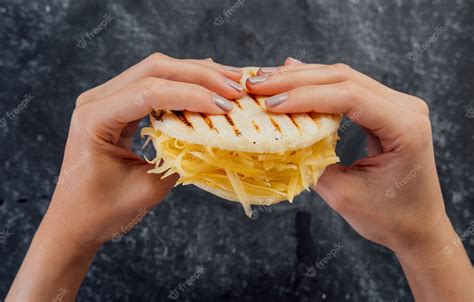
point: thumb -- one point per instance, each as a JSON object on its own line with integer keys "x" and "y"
{"x": 151, "y": 188}
{"x": 336, "y": 186}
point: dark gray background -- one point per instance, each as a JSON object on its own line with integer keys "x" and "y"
{"x": 245, "y": 260}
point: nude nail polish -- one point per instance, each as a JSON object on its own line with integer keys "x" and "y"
{"x": 276, "y": 100}
{"x": 259, "y": 79}
{"x": 222, "y": 103}
{"x": 234, "y": 85}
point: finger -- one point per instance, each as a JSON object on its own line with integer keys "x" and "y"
{"x": 360, "y": 104}
{"x": 287, "y": 68}
{"x": 231, "y": 72}
{"x": 336, "y": 185}
{"x": 112, "y": 114}
{"x": 162, "y": 66}
{"x": 298, "y": 75}
{"x": 292, "y": 61}
{"x": 278, "y": 82}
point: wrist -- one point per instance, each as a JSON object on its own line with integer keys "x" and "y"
{"x": 435, "y": 247}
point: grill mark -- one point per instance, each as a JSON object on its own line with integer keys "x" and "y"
{"x": 293, "y": 120}
{"x": 231, "y": 122}
{"x": 180, "y": 115}
{"x": 208, "y": 122}
{"x": 238, "y": 104}
{"x": 254, "y": 98}
{"x": 256, "y": 126}
{"x": 316, "y": 119}
{"x": 158, "y": 115}
{"x": 275, "y": 124}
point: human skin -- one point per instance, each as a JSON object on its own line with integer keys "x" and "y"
{"x": 392, "y": 196}
{"x": 108, "y": 188}
{"x": 103, "y": 185}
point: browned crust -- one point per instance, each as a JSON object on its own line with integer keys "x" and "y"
{"x": 182, "y": 117}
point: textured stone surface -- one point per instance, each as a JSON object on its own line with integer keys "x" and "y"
{"x": 244, "y": 260}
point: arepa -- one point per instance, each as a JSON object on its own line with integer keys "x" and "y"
{"x": 248, "y": 155}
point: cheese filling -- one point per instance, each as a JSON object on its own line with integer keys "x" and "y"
{"x": 248, "y": 175}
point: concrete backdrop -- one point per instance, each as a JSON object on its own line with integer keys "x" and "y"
{"x": 46, "y": 60}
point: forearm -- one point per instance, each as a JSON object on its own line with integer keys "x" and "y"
{"x": 439, "y": 270}
{"x": 54, "y": 266}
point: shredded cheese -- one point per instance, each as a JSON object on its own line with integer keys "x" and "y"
{"x": 247, "y": 175}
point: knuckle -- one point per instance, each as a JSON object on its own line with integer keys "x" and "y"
{"x": 351, "y": 90}
{"x": 82, "y": 98}
{"x": 149, "y": 83}
{"x": 343, "y": 69}
{"x": 422, "y": 106}
{"x": 157, "y": 56}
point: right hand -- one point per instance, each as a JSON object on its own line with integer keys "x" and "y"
{"x": 392, "y": 196}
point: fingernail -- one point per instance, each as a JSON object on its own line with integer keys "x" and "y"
{"x": 224, "y": 104}
{"x": 268, "y": 69}
{"x": 259, "y": 79}
{"x": 234, "y": 85}
{"x": 294, "y": 60}
{"x": 276, "y": 100}
{"x": 232, "y": 68}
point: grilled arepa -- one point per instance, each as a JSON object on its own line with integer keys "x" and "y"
{"x": 248, "y": 155}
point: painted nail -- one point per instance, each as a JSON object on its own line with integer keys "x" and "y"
{"x": 234, "y": 85}
{"x": 276, "y": 100}
{"x": 232, "y": 68}
{"x": 268, "y": 69}
{"x": 294, "y": 60}
{"x": 224, "y": 104}
{"x": 259, "y": 79}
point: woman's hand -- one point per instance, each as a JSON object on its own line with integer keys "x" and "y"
{"x": 103, "y": 186}
{"x": 392, "y": 196}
